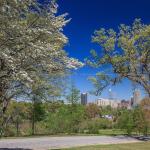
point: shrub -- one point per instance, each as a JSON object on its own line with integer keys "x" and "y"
{"x": 93, "y": 125}
{"x": 125, "y": 121}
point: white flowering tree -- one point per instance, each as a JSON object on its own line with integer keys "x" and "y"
{"x": 31, "y": 46}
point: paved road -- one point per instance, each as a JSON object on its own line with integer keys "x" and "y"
{"x": 45, "y": 143}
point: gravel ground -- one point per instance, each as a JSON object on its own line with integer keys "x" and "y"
{"x": 45, "y": 143}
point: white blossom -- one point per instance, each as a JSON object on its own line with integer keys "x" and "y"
{"x": 31, "y": 44}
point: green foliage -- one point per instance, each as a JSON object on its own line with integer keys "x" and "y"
{"x": 59, "y": 118}
{"x": 74, "y": 95}
{"x": 107, "y": 110}
{"x": 31, "y": 51}
{"x": 94, "y": 125}
{"x": 92, "y": 111}
{"x": 65, "y": 120}
{"x": 16, "y": 113}
{"x": 39, "y": 111}
{"x": 100, "y": 82}
{"x": 126, "y": 54}
{"x": 126, "y": 121}
{"x": 140, "y": 122}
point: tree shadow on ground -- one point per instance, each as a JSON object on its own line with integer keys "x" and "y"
{"x": 143, "y": 138}
{"x": 15, "y": 149}
{"x": 140, "y": 138}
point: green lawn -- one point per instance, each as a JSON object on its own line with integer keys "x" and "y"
{"x": 112, "y": 132}
{"x": 133, "y": 146}
{"x": 109, "y": 132}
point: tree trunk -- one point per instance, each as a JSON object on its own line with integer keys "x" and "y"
{"x": 33, "y": 125}
{"x": 33, "y": 116}
{"x": 4, "y": 105}
{"x": 17, "y": 125}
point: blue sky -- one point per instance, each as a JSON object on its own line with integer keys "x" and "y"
{"x": 89, "y": 15}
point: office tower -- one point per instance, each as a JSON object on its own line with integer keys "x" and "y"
{"x": 83, "y": 98}
{"x": 136, "y": 97}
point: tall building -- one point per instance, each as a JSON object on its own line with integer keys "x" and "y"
{"x": 136, "y": 97}
{"x": 83, "y": 98}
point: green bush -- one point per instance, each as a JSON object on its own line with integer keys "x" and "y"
{"x": 10, "y": 131}
{"x": 94, "y": 125}
{"x": 126, "y": 121}
{"x": 65, "y": 120}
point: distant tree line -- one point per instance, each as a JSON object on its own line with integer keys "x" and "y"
{"x": 26, "y": 118}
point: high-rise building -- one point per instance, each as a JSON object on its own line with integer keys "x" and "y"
{"x": 136, "y": 97}
{"x": 83, "y": 98}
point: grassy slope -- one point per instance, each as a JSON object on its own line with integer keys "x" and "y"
{"x": 133, "y": 146}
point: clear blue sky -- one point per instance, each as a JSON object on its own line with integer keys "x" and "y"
{"x": 89, "y": 15}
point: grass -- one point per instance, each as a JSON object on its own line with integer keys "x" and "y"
{"x": 108, "y": 132}
{"x": 112, "y": 132}
{"x": 131, "y": 146}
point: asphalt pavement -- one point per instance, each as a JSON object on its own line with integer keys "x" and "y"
{"x": 45, "y": 143}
